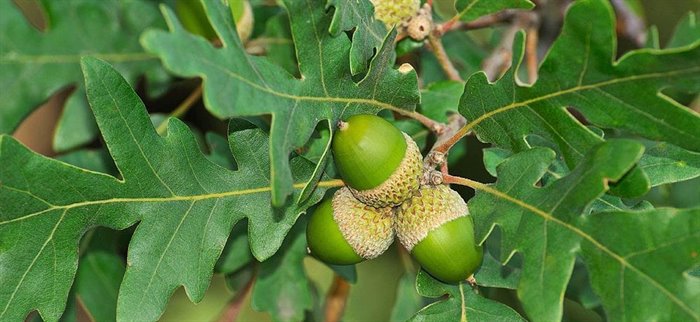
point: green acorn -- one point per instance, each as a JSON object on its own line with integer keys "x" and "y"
{"x": 381, "y": 165}
{"x": 435, "y": 227}
{"x": 344, "y": 231}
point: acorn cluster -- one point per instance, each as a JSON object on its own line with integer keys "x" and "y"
{"x": 383, "y": 198}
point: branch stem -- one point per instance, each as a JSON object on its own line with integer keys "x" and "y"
{"x": 233, "y": 308}
{"x": 531, "y": 53}
{"x": 336, "y": 299}
{"x": 483, "y": 22}
{"x": 182, "y": 108}
{"x": 447, "y": 144}
{"x": 443, "y": 59}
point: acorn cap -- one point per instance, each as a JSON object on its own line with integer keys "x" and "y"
{"x": 392, "y": 12}
{"x": 401, "y": 184}
{"x": 420, "y": 26}
{"x": 380, "y": 164}
{"x": 345, "y": 231}
{"x": 435, "y": 227}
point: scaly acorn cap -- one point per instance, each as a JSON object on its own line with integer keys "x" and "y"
{"x": 419, "y": 26}
{"x": 381, "y": 165}
{"x": 393, "y": 12}
{"x": 435, "y": 227}
{"x": 345, "y": 231}
{"x": 401, "y": 185}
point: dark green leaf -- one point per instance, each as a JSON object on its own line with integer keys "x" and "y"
{"x": 238, "y": 84}
{"x": 608, "y": 203}
{"x": 579, "y": 71}
{"x": 408, "y": 301}
{"x": 493, "y": 274}
{"x": 368, "y": 34}
{"x": 347, "y": 272}
{"x": 644, "y": 261}
{"x": 282, "y": 288}
{"x": 462, "y": 304}
{"x": 546, "y": 226}
{"x": 186, "y": 206}
{"x": 99, "y": 274}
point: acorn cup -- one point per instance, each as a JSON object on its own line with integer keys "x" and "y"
{"x": 381, "y": 165}
{"x": 344, "y": 231}
{"x": 393, "y": 12}
{"x": 435, "y": 227}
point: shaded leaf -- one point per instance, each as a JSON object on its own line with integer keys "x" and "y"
{"x": 468, "y": 10}
{"x": 408, "y": 301}
{"x": 278, "y": 43}
{"x": 94, "y": 160}
{"x": 219, "y": 151}
{"x": 36, "y": 64}
{"x": 666, "y": 163}
{"x": 100, "y": 272}
{"x": 368, "y": 33}
{"x": 347, "y": 272}
{"x": 687, "y": 31}
{"x": 282, "y": 288}
{"x": 462, "y": 303}
{"x": 608, "y": 203}
{"x": 186, "y": 206}
{"x": 493, "y": 274}
{"x": 238, "y": 84}
{"x": 441, "y": 98}
{"x": 236, "y": 253}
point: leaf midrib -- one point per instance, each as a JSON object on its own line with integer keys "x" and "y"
{"x": 331, "y": 99}
{"x": 575, "y": 89}
{"x": 174, "y": 198}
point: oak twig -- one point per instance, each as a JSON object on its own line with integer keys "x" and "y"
{"x": 483, "y": 22}
{"x": 182, "y": 108}
{"x": 431, "y": 124}
{"x": 456, "y": 129}
{"x": 531, "y": 53}
{"x": 336, "y": 299}
{"x": 444, "y": 60}
{"x": 233, "y": 308}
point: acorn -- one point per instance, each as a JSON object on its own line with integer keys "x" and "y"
{"x": 344, "y": 231}
{"x": 435, "y": 227}
{"x": 393, "y": 12}
{"x": 381, "y": 165}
